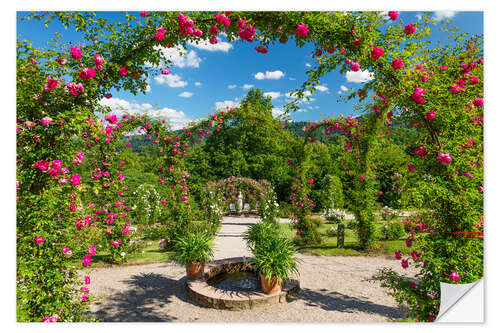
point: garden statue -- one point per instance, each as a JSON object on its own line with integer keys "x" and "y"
{"x": 240, "y": 202}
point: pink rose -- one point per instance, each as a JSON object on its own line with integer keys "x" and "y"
{"x": 46, "y": 121}
{"x": 41, "y": 165}
{"x": 393, "y": 15}
{"x": 478, "y": 102}
{"x": 123, "y": 70}
{"x": 397, "y": 63}
{"x": 302, "y": 30}
{"x": 87, "y": 261}
{"x": 39, "y": 240}
{"x": 410, "y": 29}
{"x": 98, "y": 60}
{"x": 454, "y": 276}
{"x": 92, "y": 250}
{"x": 444, "y": 158}
{"x": 431, "y": 114}
{"x": 51, "y": 83}
{"x": 75, "y": 179}
{"x": 76, "y": 53}
{"x": 377, "y": 52}
{"x": 417, "y": 95}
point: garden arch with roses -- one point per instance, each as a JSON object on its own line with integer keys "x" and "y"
{"x": 438, "y": 90}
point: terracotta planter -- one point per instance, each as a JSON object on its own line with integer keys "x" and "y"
{"x": 270, "y": 287}
{"x": 194, "y": 270}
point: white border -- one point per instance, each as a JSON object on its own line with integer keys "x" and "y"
{"x": 8, "y": 149}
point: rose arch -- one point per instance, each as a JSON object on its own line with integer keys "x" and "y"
{"x": 237, "y": 195}
{"x": 437, "y": 90}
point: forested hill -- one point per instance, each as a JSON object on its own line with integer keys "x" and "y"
{"x": 401, "y": 135}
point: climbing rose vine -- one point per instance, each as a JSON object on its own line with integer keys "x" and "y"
{"x": 59, "y": 121}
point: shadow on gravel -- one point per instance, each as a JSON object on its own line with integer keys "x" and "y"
{"x": 143, "y": 301}
{"x": 334, "y": 301}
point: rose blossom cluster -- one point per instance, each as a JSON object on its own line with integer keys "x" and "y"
{"x": 74, "y": 89}
{"x": 186, "y": 27}
{"x": 248, "y": 33}
{"x": 302, "y": 30}
{"x": 417, "y": 96}
{"x": 444, "y": 158}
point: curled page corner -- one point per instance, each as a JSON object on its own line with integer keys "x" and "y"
{"x": 461, "y": 303}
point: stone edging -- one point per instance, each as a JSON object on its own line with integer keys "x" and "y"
{"x": 204, "y": 294}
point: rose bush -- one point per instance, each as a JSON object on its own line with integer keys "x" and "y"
{"x": 437, "y": 90}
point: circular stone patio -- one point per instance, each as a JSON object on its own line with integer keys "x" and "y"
{"x": 332, "y": 289}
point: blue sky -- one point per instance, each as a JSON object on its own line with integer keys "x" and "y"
{"x": 209, "y": 76}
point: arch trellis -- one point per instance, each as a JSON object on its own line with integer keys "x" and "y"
{"x": 254, "y": 193}
{"x": 408, "y": 80}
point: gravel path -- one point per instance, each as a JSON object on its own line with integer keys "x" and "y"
{"x": 332, "y": 290}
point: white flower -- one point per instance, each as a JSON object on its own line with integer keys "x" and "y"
{"x": 123, "y": 254}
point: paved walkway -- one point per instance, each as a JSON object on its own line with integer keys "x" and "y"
{"x": 229, "y": 242}
{"x": 333, "y": 289}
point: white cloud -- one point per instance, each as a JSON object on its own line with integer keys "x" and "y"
{"x": 304, "y": 100}
{"x": 339, "y": 92}
{"x": 148, "y": 88}
{"x": 277, "y": 112}
{"x": 273, "y": 94}
{"x": 231, "y": 86}
{"x": 359, "y": 77}
{"x": 247, "y": 86}
{"x": 343, "y": 88}
{"x": 322, "y": 88}
{"x": 301, "y": 110}
{"x": 308, "y": 64}
{"x": 179, "y": 57}
{"x": 292, "y": 79}
{"x": 444, "y": 14}
{"x": 172, "y": 80}
{"x": 225, "y": 104}
{"x": 198, "y": 84}
{"x": 418, "y": 16}
{"x": 205, "y": 45}
{"x": 313, "y": 107}
{"x": 292, "y": 95}
{"x": 269, "y": 75}
{"x": 177, "y": 119}
{"x": 186, "y": 94}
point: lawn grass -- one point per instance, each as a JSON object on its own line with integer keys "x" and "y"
{"x": 148, "y": 255}
{"x": 351, "y": 244}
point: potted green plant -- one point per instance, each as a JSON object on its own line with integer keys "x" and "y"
{"x": 258, "y": 232}
{"x": 194, "y": 250}
{"x": 274, "y": 260}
